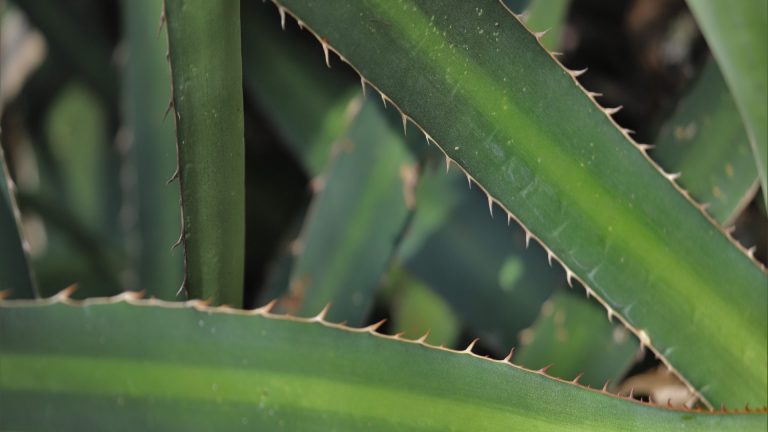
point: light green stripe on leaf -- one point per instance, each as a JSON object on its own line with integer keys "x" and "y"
{"x": 499, "y": 105}
{"x": 180, "y": 368}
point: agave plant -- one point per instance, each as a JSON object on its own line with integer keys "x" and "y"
{"x": 357, "y": 307}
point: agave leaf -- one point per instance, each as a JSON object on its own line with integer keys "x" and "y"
{"x": 573, "y": 338}
{"x": 481, "y": 87}
{"x": 737, "y": 34}
{"x": 195, "y": 368}
{"x": 147, "y": 90}
{"x": 307, "y": 103}
{"x": 355, "y": 222}
{"x": 417, "y": 311}
{"x": 15, "y": 276}
{"x": 204, "y": 46}
{"x": 705, "y": 141}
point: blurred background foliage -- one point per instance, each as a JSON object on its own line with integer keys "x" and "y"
{"x": 84, "y": 89}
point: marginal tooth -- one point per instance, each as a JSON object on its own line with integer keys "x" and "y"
{"x": 323, "y": 313}
{"x": 729, "y": 230}
{"x": 398, "y": 335}
{"x": 447, "y": 163}
{"x": 556, "y": 54}
{"x": 324, "y": 43}
{"x": 179, "y": 240}
{"x": 549, "y": 257}
{"x": 174, "y": 176}
{"x": 362, "y": 84}
{"x": 543, "y": 370}
{"x": 383, "y": 99}
{"x": 490, "y": 205}
{"x": 569, "y": 277}
{"x": 508, "y": 358}
{"x": 527, "y": 239}
{"x": 282, "y": 16}
{"x": 614, "y": 110}
{"x": 578, "y": 377}
{"x": 540, "y": 34}
{"x": 628, "y": 131}
{"x": 672, "y": 176}
{"x": 168, "y": 108}
{"x": 423, "y": 338}
{"x": 610, "y": 315}
{"x": 471, "y": 345}
{"x": 589, "y": 293}
{"x": 509, "y": 218}
{"x": 301, "y": 24}
{"x": 751, "y": 251}
{"x": 469, "y": 181}
{"x": 578, "y": 73}
{"x": 375, "y": 326}
{"x": 405, "y": 123}
{"x": 645, "y": 147}
{"x": 594, "y": 94}
{"x": 605, "y": 386}
{"x": 523, "y": 17}
{"x": 267, "y": 308}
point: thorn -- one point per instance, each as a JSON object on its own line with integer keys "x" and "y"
{"x": 362, "y": 84}
{"x": 672, "y": 176}
{"x": 540, "y": 34}
{"x": 179, "y": 240}
{"x": 174, "y": 176}
{"x": 543, "y": 370}
{"x": 605, "y": 386}
{"x": 614, "y": 110}
{"x": 447, "y": 163}
{"x": 471, "y": 345}
{"x": 569, "y": 277}
{"x": 383, "y": 99}
{"x": 324, "y": 43}
{"x": 469, "y": 181}
{"x": 578, "y": 377}
{"x": 632, "y": 392}
{"x": 301, "y": 24}
{"x": 729, "y": 230}
{"x": 162, "y": 23}
{"x": 549, "y": 257}
{"x": 587, "y": 291}
{"x": 267, "y": 308}
{"x": 320, "y": 317}
{"x": 751, "y": 251}
{"x": 375, "y": 326}
{"x": 399, "y": 335}
{"x": 594, "y": 94}
{"x": 610, "y": 314}
{"x": 509, "y": 356}
{"x": 282, "y": 16}
{"x": 168, "y": 108}
{"x": 628, "y": 131}
{"x": 490, "y": 205}
{"x": 527, "y": 239}
{"x": 423, "y": 338}
{"x": 578, "y": 73}
{"x": 66, "y": 293}
{"x": 645, "y": 147}
{"x": 509, "y": 218}
{"x": 405, "y": 123}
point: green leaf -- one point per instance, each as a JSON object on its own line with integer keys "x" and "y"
{"x": 737, "y": 35}
{"x": 574, "y": 338}
{"x": 15, "y": 276}
{"x": 195, "y": 368}
{"x": 354, "y": 224}
{"x": 307, "y": 103}
{"x": 705, "y": 142}
{"x": 500, "y": 107}
{"x": 478, "y": 264}
{"x": 204, "y": 45}
{"x": 147, "y": 89}
{"x": 417, "y": 311}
